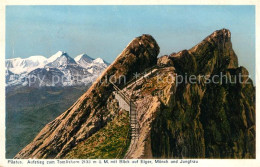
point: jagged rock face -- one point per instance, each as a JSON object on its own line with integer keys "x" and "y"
{"x": 138, "y": 55}
{"x": 177, "y": 119}
{"x": 196, "y": 120}
{"x": 164, "y": 61}
{"x": 212, "y": 55}
{"x": 149, "y": 103}
{"x": 213, "y": 120}
{"x": 90, "y": 112}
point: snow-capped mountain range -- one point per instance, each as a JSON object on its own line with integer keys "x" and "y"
{"x": 58, "y": 70}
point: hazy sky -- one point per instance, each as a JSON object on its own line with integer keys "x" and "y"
{"x": 104, "y": 31}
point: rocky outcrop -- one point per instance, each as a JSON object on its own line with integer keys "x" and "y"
{"x": 149, "y": 103}
{"x": 164, "y": 61}
{"x": 207, "y": 119}
{"x": 212, "y": 55}
{"x": 197, "y": 103}
{"x": 90, "y": 113}
{"x": 201, "y": 119}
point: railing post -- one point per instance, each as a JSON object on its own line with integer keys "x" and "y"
{"x": 130, "y": 112}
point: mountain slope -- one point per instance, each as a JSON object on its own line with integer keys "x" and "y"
{"x": 29, "y": 109}
{"x": 60, "y": 59}
{"x": 213, "y": 120}
{"x": 18, "y": 65}
{"x": 58, "y": 70}
{"x": 91, "y": 65}
{"x": 40, "y": 90}
{"x": 109, "y": 142}
{"x": 90, "y": 113}
{"x": 84, "y": 60}
{"x": 209, "y": 116}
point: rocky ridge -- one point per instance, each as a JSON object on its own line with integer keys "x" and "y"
{"x": 90, "y": 113}
{"x": 185, "y": 119}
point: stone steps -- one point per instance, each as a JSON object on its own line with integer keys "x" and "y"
{"x": 133, "y": 121}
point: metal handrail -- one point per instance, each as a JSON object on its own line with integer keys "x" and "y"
{"x": 129, "y": 102}
{"x": 142, "y": 74}
{"x": 123, "y": 95}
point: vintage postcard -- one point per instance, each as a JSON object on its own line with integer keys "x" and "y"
{"x": 129, "y": 84}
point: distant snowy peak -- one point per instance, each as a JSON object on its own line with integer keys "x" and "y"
{"x": 60, "y": 59}
{"x": 83, "y": 58}
{"x": 86, "y": 62}
{"x": 59, "y": 66}
{"x": 99, "y": 60}
{"x": 55, "y": 56}
{"x": 27, "y": 62}
{"x": 59, "y": 55}
{"x": 38, "y": 58}
{"x": 19, "y": 65}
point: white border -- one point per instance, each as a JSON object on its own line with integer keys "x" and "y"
{"x": 202, "y": 162}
